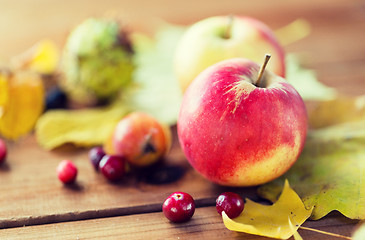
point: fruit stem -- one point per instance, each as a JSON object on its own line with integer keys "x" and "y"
{"x": 227, "y": 33}
{"x": 262, "y": 69}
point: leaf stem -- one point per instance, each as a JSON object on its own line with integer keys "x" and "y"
{"x": 324, "y": 232}
{"x": 262, "y": 69}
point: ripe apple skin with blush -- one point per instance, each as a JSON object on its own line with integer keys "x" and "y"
{"x": 218, "y": 38}
{"x": 237, "y": 133}
{"x": 140, "y": 138}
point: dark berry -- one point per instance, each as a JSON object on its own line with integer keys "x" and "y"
{"x": 95, "y": 156}
{"x": 179, "y": 207}
{"x": 67, "y": 171}
{"x": 112, "y": 167}
{"x": 55, "y": 99}
{"x": 231, "y": 203}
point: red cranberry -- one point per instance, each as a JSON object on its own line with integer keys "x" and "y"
{"x": 112, "y": 167}
{"x": 67, "y": 171}
{"x": 3, "y": 151}
{"x": 95, "y": 156}
{"x": 231, "y": 203}
{"x": 179, "y": 207}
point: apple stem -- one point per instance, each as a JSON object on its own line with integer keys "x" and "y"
{"x": 262, "y": 69}
{"x": 227, "y": 33}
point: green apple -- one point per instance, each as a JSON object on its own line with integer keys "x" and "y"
{"x": 222, "y": 37}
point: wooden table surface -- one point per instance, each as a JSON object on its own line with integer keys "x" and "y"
{"x": 35, "y": 205}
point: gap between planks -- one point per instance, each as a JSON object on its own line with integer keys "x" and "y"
{"x": 93, "y": 214}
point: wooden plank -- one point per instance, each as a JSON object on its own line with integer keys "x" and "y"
{"x": 205, "y": 224}
{"x": 336, "y": 36}
{"x": 347, "y": 78}
{"x": 37, "y": 19}
{"x": 338, "y": 43}
{"x": 30, "y": 192}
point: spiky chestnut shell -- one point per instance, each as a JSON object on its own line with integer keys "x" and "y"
{"x": 97, "y": 61}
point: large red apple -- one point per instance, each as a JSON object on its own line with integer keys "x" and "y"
{"x": 237, "y": 131}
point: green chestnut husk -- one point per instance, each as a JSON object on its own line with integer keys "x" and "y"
{"x": 97, "y": 61}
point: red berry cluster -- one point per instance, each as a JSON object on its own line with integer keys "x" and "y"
{"x": 180, "y": 206}
{"x": 111, "y": 166}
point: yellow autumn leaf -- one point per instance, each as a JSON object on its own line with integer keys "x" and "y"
{"x": 271, "y": 220}
{"x": 293, "y": 32}
{"x": 359, "y": 233}
{"x": 21, "y": 102}
{"x": 86, "y": 127}
{"x": 294, "y": 230}
{"x": 340, "y": 110}
{"x": 4, "y": 95}
{"x": 42, "y": 58}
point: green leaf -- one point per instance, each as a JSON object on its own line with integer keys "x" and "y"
{"x": 305, "y": 81}
{"x": 280, "y": 220}
{"x": 157, "y": 91}
{"x": 330, "y": 173}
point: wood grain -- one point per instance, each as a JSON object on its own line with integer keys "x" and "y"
{"x": 30, "y": 193}
{"x": 22, "y": 23}
{"x": 205, "y": 224}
